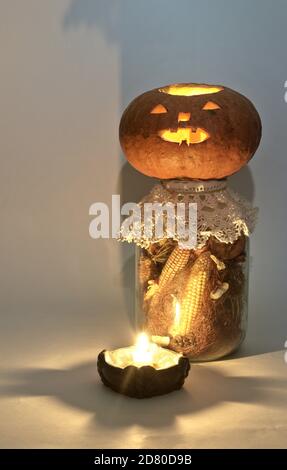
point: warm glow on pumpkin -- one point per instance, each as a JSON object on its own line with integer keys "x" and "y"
{"x": 158, "y": 109}
{"x": 190, "y": 90}
{"x": 187, "y": 135}
{"x": 183, "y": 117}
{"x": 210, "y": 105}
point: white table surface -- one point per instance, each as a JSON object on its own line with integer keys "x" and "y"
{"x": 59, "y": 402}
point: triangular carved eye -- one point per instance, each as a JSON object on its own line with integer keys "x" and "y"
{"x": 210, "y": 105}
{"x": 158, "y": 109}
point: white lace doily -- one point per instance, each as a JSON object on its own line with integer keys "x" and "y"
{"x": 221, "y": 212}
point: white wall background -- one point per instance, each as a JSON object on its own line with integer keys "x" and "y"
{"x": 68, "y": 68}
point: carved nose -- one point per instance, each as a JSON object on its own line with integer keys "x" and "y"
{"x": 183, "y": 117}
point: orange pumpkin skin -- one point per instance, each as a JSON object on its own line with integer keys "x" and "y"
{"x": 209, "y": 135}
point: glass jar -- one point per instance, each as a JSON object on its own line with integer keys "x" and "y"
{"x": 194, "y": 301}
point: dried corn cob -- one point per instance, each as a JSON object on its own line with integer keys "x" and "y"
{"x": 156, "y": 293}
{"x": 195, "y": 292}
{"x": 175, "y": 263}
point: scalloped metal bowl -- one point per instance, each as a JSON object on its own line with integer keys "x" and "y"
{"x": 145, "y": 381}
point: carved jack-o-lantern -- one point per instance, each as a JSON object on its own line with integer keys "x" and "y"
{"x": 190, "y": 131}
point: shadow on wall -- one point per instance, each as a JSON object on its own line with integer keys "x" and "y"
{"x": 243, "y": 183}
{"x": 100, "y": 13}
{"x": 77, "y": 388}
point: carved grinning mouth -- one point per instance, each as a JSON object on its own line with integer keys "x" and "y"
{"x": 187, "y": 134}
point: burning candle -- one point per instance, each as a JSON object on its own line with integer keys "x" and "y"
{"x": 143, "y": 351}
{"x": 143, "y": 370}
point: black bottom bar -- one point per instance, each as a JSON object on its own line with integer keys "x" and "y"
{"x": 125, "y": 458}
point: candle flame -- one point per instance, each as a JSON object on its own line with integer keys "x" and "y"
{"x": 143, "y": 353}
{"x": 142, "y": 342}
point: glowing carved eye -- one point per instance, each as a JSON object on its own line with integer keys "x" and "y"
{"x": 158, "y": 109}
{"x": 210, "y": 105}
